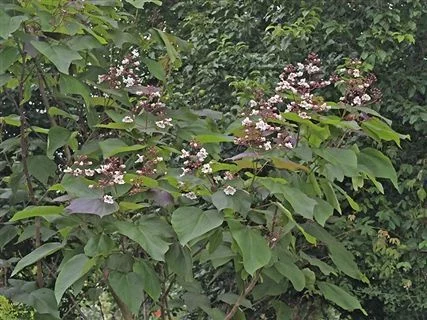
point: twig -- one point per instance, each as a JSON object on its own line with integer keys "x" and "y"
{"x": 243, "y": 295}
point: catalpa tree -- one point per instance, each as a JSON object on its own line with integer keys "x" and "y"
{"x": 109, "y": 192}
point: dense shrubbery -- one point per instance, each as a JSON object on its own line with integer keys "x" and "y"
{"x": 155, "y": 178}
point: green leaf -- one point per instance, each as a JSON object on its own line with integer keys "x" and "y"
{"x": 329, "y": 192}
{"x": 71, "y": 271}
{"x": 150, "y": 233}
{"x": 292, "y": 272}
{"x": 42, "y": 300}
{"x": 60, "y": 55}
{"x": 283, "y": 311}
{"x": 340, "y": 297}
{"x": 9, "y": 25}
{"x": 239, "y": 202}
{"x": 39, "y": 211}
{"x": 155, "y": 68}
{"x": 301, "y": 203}
{"x": 322, "y": 211}
{"x": 324, "y": 267}
{"x": 255, "y": 250}
{"x": 37, "y": 254}
{"x": 150, "y": 279}
{"x": 140, "y": 3}
{"x": 56, "y": 138}
{"x": 180, "y": 262}
{"x": 128, "y": 287}
{"x": 41, "y": 168}
{"x": 7, "y": 234}
{"x": 8, "y": 56}
{"x": 344, "y": 159}
{"x": 71, "y": 85}
{"x": 191, "y": 222}
{"x": 99, "y": 244}
{"x": 288, "y": 214}
{"x": 379, "y": 130}
{"x": 375, "y": 163}
{"x": 213, "y": 138}
{"x": 340, "y": 256}
{"x": 111, "y": 147}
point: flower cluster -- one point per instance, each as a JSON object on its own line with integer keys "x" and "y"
{"x": 300, "y": 80}
{"x": 147, "y": 164}
{"x": 150, "y": 103}
{"x": 359, "y": 88}
{"x": 125, "y": 73}
{"x": 258, "y": 133}
{"x": 194, "y": 158}
{"x": 110, "y": 173}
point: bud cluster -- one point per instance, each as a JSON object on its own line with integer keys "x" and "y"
{"x": 125, "y": 73}
{"x": 194, "y": 158}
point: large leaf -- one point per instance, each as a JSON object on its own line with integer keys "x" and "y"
{"x": 344, "y": 159}
{"x": 292, "y": 272}
{"x": 7, "y": 234}
{"x": 56, "y": 138}
{"x": 42, "y": 300}
{"x": 255, "y": 250}
{"x": 301, "y": 203}
{"x": 60, "y": 55}
{"x": 9, "y": 24}
{"x": 239, "y": 202}
{"x": 151, "y": 234}
{"x": 71, "y": 85}
{"x": 140, "y": 3}
{"x": 92, "y": 206}
{"x": 180, "y": 261}
{"x": 128, "y": 287}
{"x": 379, "y": 130}
{"x": 71, "y": 271}
{"x": 39, "y": 253}
{"x": 340, "y": 256}
{"x": 39, "y": 211}
{"x": 339, "y": 296}
{"x": 99, "y": 244}
{"x": 375, "y": 163}
{"x": 41, "y": 167}
{"x": 7, "y": 57}
{"x": 155, "y": 68}
{"x": 111, "y": 147}
{"x": 191, "y": 222}
{"x": 150, "y": 279}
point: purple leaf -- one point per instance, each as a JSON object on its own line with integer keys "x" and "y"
{"x": 92, "y": 206}
{"x": 243, "y": 155}
{"x": 161, "y": 198}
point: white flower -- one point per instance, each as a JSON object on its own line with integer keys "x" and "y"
{"x": 118, "y": 178}
{"x": 300, "y": 66}
{"x": 229, "y": 191}
{"x": 190, "y": 195}
{"x": 68, "y": 170}
{"x": 89, "y": 172}
{"x": 217, "y": 179}
{"x": 159, "y": 159}
{"x": 254, "y": 112}
{"x": 289, "y": 145}
{"x": 168, "y": 122}
{"x": 366, "y": 97}
{"x": 91, "y": 186}
{"x": 77, "y": 172}
{"x": 101, "y": 78}
{"x": 275, "y": 99}
{"x": 246, "y": 122}
{"x": 140, "y": 158}
{"x": 206, "y": 168}
{"x": 108, "y": 199}
{"x": 135, "y": 53}
{"x": 356, "y": 73}
{"x": 357, "y": 101}
{"x": 202, "y": 154}
{"x": 312, "y": 68}
{"x": 160, "y": 124}
{"x": 304, "y": 115}
{"x": 184, "y": 171}
{"x": 125, "y": 61}
{"x": 185, "y": 154}
{"x": 228, "y": 175}
{"x": 261, "y": 125}
{"x": 119, "y": 71}
{"x": 129, "y": 81}
{"x": 252, "y": 103}
{"x": 127, "y": 119}
{"x": 267, "y": 145}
